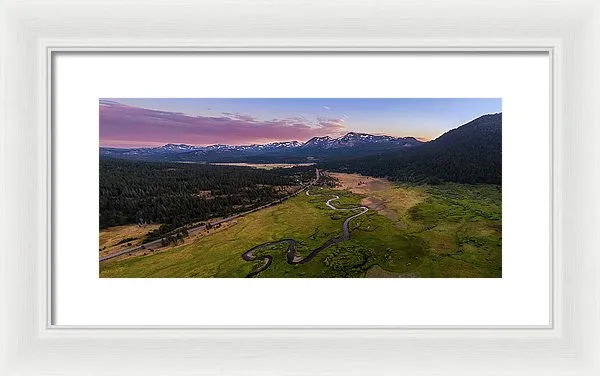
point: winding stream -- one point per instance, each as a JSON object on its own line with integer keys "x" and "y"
{"x": 292, "y": 257}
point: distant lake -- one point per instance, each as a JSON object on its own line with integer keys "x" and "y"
{"x": 266, "y": 166}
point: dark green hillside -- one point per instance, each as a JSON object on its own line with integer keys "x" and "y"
{"x": 471, "y": 153}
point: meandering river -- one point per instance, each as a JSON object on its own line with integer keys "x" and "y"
{"x": 292, "y": 257}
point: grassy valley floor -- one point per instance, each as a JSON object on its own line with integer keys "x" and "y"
{"x": 448, "y": 230}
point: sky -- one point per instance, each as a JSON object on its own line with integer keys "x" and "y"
{"x": 149, "y": 122}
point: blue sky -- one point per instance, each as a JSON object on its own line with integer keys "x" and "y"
{"x": 156, "y": 121}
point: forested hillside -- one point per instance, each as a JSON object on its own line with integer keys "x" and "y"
{"x": 180, "y": 193}
{"x": 471, "y": 153}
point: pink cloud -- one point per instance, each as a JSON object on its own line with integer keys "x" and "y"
{"x": 123, "y": 125}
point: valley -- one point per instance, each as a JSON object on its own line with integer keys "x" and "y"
{"x": 443, "y": 233}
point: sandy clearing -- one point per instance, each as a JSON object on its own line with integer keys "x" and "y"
{"x": 382, "y": 195}
{"x": 193, "y": 236}
{"x": 109, "y": 237}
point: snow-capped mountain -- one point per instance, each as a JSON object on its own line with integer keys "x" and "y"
{"x": 271, "y": 146}
{"x": 183, "y": 148}
{"x": 177, "y": 147}
{"x": 355, "y": 139}
{"x": 318, "y": 142}
{"x": 314, "y": 149}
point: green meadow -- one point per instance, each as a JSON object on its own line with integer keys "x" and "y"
{"x": 454, "y": 231}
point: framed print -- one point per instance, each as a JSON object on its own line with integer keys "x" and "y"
{"x": 289, "y": 179}
{"x": 209, "y": 187}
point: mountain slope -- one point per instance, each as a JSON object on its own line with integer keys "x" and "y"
{"x": 471, "y": 153}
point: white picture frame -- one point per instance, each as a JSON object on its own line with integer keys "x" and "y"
{"x": 31, "y": 32}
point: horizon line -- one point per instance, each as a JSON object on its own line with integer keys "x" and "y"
{"x": 422, "y": 139}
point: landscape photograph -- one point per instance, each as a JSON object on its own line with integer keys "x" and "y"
{"x": 300, "y": 187}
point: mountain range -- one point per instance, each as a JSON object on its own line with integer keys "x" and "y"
{"x": 470, "y": 153}
{"x": 315, "y": 149}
